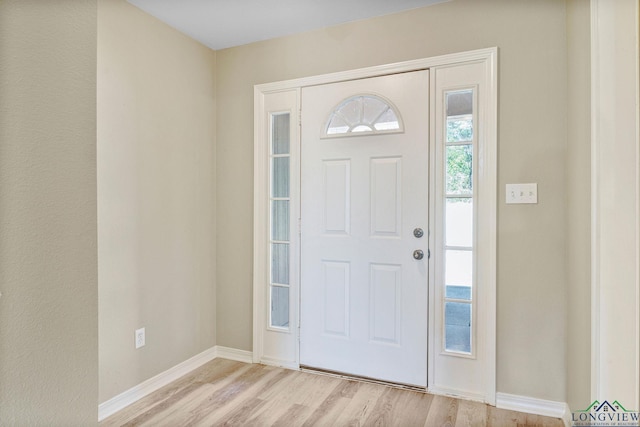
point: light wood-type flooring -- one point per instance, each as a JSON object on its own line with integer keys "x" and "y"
{"x": 225, "y": 392}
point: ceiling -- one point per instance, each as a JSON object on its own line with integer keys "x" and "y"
{"x": 219, "y": 24}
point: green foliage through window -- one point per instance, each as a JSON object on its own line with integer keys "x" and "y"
{"x": 459, "y": 169}
{"x": 459, "y": 129}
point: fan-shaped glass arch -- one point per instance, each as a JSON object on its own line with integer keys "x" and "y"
{"x": 363, "y": 114}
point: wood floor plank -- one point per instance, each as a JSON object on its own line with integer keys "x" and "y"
{"x": 411, "y": 409}
{"x": 223, "y": 397}
{"x": 213, "y": 372}
{"x": 238, "y": 416}
{"x": 142, "y": 406}
{"x": 315, "y": 389}
{"x": 223, "y": 404}
{"x": 293, "y": 416}
{"x": 443, "y": 412}
{"x": 360, "y": 406}
{"x": 331, "y": 408}
{"x": 229, "y": 376}
{"x": 228, "y": 393}
{"x": 471, "y": 414}
{"x": 541, "y": 421}
{"x": 171, "y": 413}
{"x": 249, "y": 404}
{"x": 279, "y": 398}
{"x": 180, "y": 410}
{"x": 382, "y": 411}
{"x": 506, "y": 418}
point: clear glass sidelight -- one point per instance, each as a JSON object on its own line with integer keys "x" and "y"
{"x": 459, "y": 129}
{"x": 458, "y": 268}
{"x": 457, "y": 323}
{"x": 460, "y": 292}
{"x": 459, "y": 169}
{"x": 459, "y": 222}
{"x": 280, "y": 220}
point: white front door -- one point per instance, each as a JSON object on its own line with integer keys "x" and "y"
{"x": 364, "y": 198}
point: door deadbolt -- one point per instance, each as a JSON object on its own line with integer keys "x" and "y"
{"x": 418, "y": 232}
{"x": 418, "y": 254}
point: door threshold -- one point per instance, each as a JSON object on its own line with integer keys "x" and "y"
{"x": 345, "y": 376}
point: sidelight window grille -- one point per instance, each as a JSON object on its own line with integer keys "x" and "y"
{"x": 280, "y": 221}
{"x": 459, "y": 301}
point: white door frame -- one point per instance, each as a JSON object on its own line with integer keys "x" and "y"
{"x": 615, "y": 221}
{"x": 266, "y": 352}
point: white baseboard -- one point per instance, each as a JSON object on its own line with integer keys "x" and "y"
{"x": 234, "y": 354}
{"x": 566, "y": 419}
{"x": 147, "y": 387}
{"x": 531, "y": 405}
{"x": 287, "y": 364}
{"x": 455, "y": 393}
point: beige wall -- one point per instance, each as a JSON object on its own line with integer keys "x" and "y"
{"x": 157, "y": 173}
{"x": 156, "y": 196}
{"x": 532, "y": 144}
{"x": 48, "y": 248}
{"x": 578, "y": 215}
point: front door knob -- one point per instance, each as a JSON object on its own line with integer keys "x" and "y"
{"x": 418, "y": 254}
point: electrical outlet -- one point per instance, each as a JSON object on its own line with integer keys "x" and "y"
{"x": 140, "y": 338}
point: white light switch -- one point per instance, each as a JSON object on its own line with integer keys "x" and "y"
{"x": 522, "y": 193}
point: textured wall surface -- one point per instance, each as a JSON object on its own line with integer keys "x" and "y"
{"x": 532, "y": 40}
{"x": 156, "y": 196}
{"x": 578, "y": 205}
{"x": 48, "y": 247}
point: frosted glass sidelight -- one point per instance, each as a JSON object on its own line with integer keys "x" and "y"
{"x": 363, "y": 114}
{"x": 459, "y": 169}
{"x": 280, "y": 306}
{"x": 280, "y": 263}
{"x": 280, "y": 216}
{"x": 457, "y": 323}
{"x": 280, "y": 133}
{"x": 280, "y": 220}
{"x": 280, "y": 177}
{"x": 459, "y": 222}
{"x": 460, "y": 102}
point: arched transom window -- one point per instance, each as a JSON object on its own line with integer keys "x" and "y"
{"x": 363, "y": 114}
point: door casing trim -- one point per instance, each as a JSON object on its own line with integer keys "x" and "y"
{"x": 487, "y": 254}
